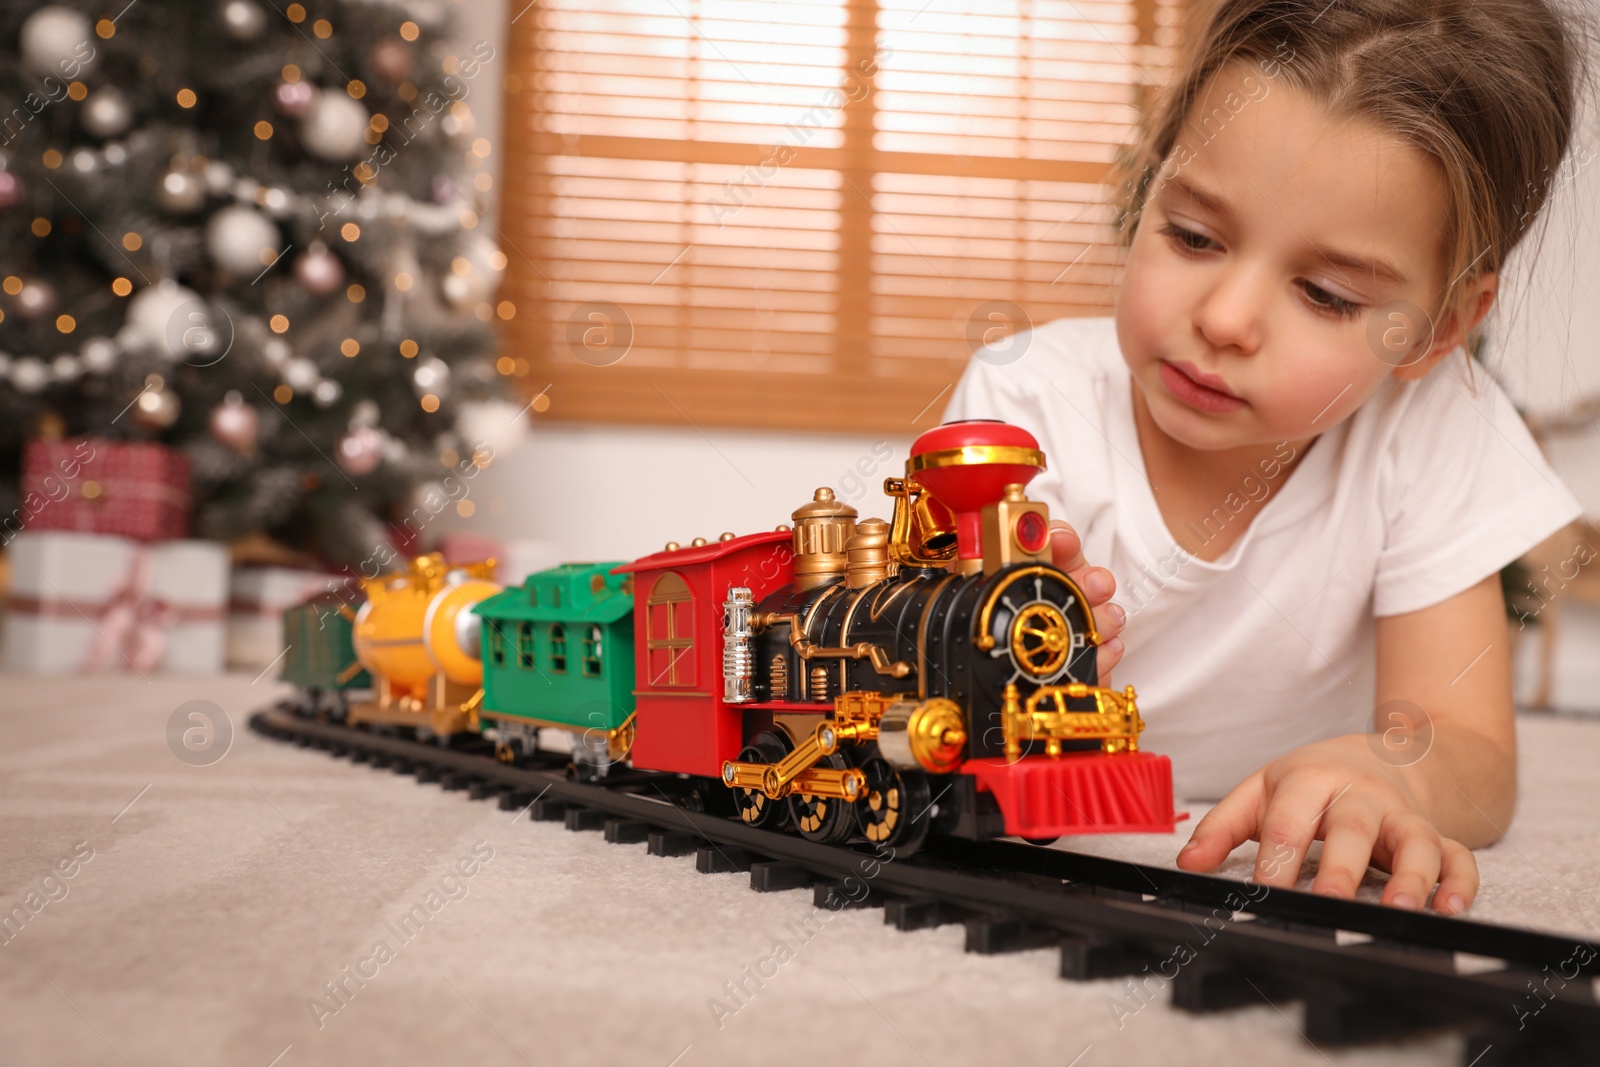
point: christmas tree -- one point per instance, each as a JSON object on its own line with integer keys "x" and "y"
{"x": 254, "y": 231}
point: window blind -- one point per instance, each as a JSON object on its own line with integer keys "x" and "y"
{"x": 805, "y": 214}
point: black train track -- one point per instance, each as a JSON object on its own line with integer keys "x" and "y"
{"x": 1364, "y": 972}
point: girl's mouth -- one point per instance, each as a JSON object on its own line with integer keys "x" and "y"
{"x": 1182, "y": 385}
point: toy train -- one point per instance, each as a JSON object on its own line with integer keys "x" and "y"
{"x": 836, "y": 678}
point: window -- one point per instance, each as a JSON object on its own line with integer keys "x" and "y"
{"x": 497, "y": 644}
{"x": 558, "y": 648}
{"x": 807, "y": 213}
{"x": 591, "y": 653}
{"x": 669, "y": 631}
{"x": 525, "y": 646}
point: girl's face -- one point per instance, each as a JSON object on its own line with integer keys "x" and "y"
{"x": 1272, "y": 234}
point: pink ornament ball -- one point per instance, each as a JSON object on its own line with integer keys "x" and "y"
{"x": 319, "y": 270}
{"x": 10, "y": 190}
{"x": 360, "y": 451}
{"x": 235, "y": 423}
{"x": 295, "y": 98}
{"x": 391, "y": 60}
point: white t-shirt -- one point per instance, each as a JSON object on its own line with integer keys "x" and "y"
{"x": 1427, "y": 489}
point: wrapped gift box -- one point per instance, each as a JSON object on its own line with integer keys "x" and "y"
{"x": 467, "y": 546}
{"x": 90, "y": 602}
{"x": 256, "y": 599}
{"x": 121, "y": 488}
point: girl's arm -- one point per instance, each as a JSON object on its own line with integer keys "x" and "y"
{"x": 1437, "y": 776}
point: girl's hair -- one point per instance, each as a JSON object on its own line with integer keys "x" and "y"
{"x": 1487, "y": 88}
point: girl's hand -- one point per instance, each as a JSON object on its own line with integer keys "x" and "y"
{"x": 1097, "y": 583}
{"x": 1360, "y": 807}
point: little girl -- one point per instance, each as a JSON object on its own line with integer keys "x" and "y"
{"x": 1280, "y": 447}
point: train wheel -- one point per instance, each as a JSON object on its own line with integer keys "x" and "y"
{"x": 823, "y": 819}
{"x": 755, "y": 807}
{"x": 894, "y": 811}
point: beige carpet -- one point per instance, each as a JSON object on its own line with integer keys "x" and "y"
{"x": 216, "y": 902}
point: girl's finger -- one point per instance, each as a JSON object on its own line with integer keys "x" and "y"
{"x": 1097, "y": 583}
{"x": 1066, "y": 548}
{"x": 1414, "y": 844}
{"x": 1458, "y": 878}
{"x": 1110, "y": 620}
{"x": 1227, "y": 826}
{"x": 1106, "y": 657}
{"x": 1347, "y": 837}
{"x": 1288, "y": 827}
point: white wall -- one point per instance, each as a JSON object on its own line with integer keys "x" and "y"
{"x": 593, "y": 492}
{"x": 1545, "y": 334}
{"x": 485, "y": 20}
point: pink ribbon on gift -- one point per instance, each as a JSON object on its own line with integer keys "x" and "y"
{"x": 133, "y": 623}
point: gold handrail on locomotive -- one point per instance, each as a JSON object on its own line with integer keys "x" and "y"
{"x": 1115, "y": 721}
{"x": 807, "y": 649}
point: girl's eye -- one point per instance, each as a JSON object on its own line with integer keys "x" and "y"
{"x": 1187, "y": 240}
{"x": 1332, "y": 303}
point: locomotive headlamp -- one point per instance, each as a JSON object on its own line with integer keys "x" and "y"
{"x": 1015, "y": 530}
{"x": 929, "y": 734}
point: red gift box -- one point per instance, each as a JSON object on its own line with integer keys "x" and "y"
{"x": 121, "y": 488}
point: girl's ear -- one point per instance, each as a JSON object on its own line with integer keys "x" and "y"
{"x": 1456, "y": 327}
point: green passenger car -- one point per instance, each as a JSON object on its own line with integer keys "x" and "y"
{"x": 558, "y": 652}
{"x": 320, "y": 661}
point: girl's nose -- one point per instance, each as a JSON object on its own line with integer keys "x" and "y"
{"x": 1229, "y": 314}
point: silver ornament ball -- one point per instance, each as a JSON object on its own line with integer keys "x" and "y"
{"x": 300, "y": 374}
{"x": 457, "y": 291}
{"x": 365, "y": 413}
{"x": 157, "y": 407}
{"x": 334, "y": 127}
{"x": 241, "y": 240}
{"x": 181, "y": 191}
{"x": 243, "y": 20}
{"x": 327, "y": 393}
{"x": 29, "y": 375}
{"x": 158, "y": 317}
{"x": 218, "y": 178}
{"x": 107, "y": 113}
{"x": 36, "y": 299}
{"x": 276, "y": 352}
{"x": 56, "y": 41}
{"x": 432, "y": 375}
{"x": 99, "y": 355}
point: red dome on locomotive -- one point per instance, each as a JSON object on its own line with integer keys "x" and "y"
{"x": 965, "y": 465}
